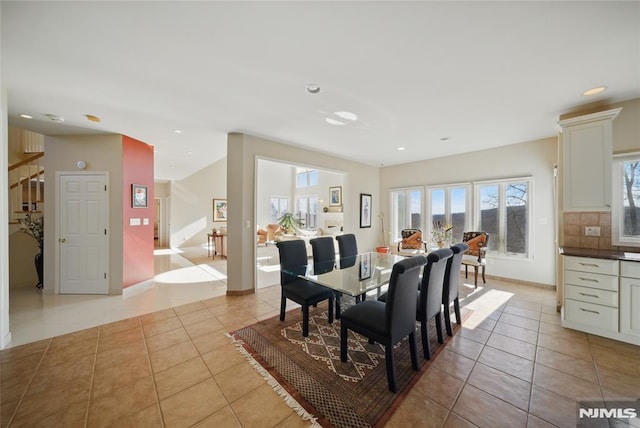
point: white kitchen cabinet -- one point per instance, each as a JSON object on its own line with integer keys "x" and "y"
{"x": 587, "y": 143}
{"x": 630, "y": 298}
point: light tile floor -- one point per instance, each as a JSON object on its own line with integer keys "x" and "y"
{"x": 170, "y": 363}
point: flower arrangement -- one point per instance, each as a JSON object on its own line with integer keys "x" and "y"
{"x": 33, "y": 227}
{"x": 441, "y": 232}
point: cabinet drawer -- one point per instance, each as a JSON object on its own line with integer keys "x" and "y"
{"x": 591, "y": 295}
{"x": 630, "y": 269}
{"x": 592, "y": 280}
{"x": 588, "y": 264}
{"x": 601, "y": 317}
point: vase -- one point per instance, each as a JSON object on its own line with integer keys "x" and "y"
{"x": 39, "y": 261}
{"x": 440, "y": 244}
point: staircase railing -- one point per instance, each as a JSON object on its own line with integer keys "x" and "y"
{"x": 25, "y": 187}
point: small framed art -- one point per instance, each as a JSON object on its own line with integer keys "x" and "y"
{"x": 138, "y": 196}
{"x": 219, "y": 210}
{"x": 365, "y": 210}
{"x": 335, "y": 196}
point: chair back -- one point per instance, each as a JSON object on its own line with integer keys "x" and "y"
{"x": 411, "y": 240}
{"x": 433, "y": 282}
{"x": 452, "y": 273}
{"x": 293, "y": 258}
{"x": 477, "y": 242}
{"x": 347, "y": 245}
{"x": 324, "y": 254}
{"x": 400, "y": 310}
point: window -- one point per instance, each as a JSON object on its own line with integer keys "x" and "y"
{"x": 406, "y": 211}
{"x": 306, "y": 177}
{"x": 448, "y": 205}
{"x": 307, "y": 210}
{"x": 503, "y": 210}
{"x": 279, "y": 206}
{"x": 625, "y": 213}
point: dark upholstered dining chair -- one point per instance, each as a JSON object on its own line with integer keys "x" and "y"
{"x": 324, "y": 254}
{"x": 451, "y": 289}
{"x": 388, "y": 322}
{"x": 293, "y": 258}
{"x": 347, "y": 245}
{"x": 476, "y": 255}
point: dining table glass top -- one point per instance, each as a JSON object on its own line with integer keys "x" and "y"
{"x": 351, "y": 275}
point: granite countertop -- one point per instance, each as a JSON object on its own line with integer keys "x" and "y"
{"x": 600, "y": 254}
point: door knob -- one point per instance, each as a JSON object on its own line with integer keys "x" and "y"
{"x": 63, "y": 240}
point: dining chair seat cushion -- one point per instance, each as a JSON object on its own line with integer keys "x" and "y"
{"x": 368, "y": 316}
{"x": 473, "y": 260}
{"x": 306, "y": 290}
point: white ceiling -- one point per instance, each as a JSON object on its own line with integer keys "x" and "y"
{"x": 482, "y": 74}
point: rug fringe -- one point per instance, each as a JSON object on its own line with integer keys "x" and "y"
{"x": 288, "y": 399}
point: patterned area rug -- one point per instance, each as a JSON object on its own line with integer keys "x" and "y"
{"x": 335, "y": 394}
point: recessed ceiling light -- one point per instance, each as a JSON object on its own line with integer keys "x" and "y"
{"x": 594, "y": 91}
{"x": 313, "y": 88}
{"x": 189, "y": 153}
{"x": 178, "y": 131}
{"x": 26, "y": 116}
{"x": 172, "y": 167}
{"x": 55, "y": 117}
{"x": 401, "y": 148}
{"x": 334, "y": 121}
{"x": 444, "y": 138}
{"x": 92, "y": 118}
{"x": 346, "y": 115}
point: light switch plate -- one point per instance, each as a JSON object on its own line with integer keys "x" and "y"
{"x": 592, "y": 231}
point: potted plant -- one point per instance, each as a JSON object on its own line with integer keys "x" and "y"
{"x": 289, "y": 223}
{"x": 384, "y": 248}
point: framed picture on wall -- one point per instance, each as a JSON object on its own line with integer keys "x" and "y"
{"x": 335, "y": 196}
{"x": 138, "y": 196}
{"x": 365, "y": 266}
{"x": 365, "y": 210}
{"x": 219, "y": 210}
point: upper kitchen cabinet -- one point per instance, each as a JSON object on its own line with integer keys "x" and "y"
{"x": 587, "y": 150}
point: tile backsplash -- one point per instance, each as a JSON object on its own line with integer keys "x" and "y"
{"x": 574, "y": 224}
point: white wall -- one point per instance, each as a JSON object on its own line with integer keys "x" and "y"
{"x": 534, "y": 159}
{"x": 191, "y": 210}
{"x": 5, "y": 334}
{"x": 274, "y": 179}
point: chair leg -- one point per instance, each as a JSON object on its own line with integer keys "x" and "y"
{"x": 466, "y": 271}
{"x": 343, "y": 343}
{"x": 391, "y": 367}
{"x": 447, "y": 320}
{"x": 331, "y": 309}
{"x": 414, "y": 351}
{"x": 305, "y": 320}
{"x": 283, "y": 307}
{"x": 483, "y": 280}
{"x": 475, "y": 268}
{"x": 338, "y": 295}
{"x": 425, "y": 340}
{"x": 456, "y": 307}
{"x": 439, "y": 328}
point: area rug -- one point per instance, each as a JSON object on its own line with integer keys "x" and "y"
{"x": 308, "y": 372}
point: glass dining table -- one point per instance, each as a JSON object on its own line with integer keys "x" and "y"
{"x": 353, "y": 276}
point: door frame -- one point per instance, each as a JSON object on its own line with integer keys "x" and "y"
{"x": 56, "y": 285}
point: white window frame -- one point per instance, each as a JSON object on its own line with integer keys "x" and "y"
{"x": 395, "y": 234}
{"x": 307, "y": 173}
{"x": 469, "y": 213}
{"x": 617, "y": 211}
{"x": 309, "y": 212}
{"x": 280, "y": 211}
{"x": 502, "y": 211}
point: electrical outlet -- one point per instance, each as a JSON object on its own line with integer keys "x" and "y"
{"x": 592, "y": 231}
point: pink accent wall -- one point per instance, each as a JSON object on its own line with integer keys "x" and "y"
{"x": 137, "y": 242}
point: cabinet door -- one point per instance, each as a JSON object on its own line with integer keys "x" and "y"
{"x": 630, "y": 306}
{"x": 587, "y": 166}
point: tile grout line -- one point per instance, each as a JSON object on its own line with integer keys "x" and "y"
{"x": 93, "y": 376}
{"x": 15, "y": 412}
{"x": 153, "y": 378}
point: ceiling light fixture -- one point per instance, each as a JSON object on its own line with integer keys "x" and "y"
{"x": 444, "y": 138}
{"x": 92, "y": 118}
{"x": 177, "y": 131}
{"x": 26, "y": 116}
{"x": 55, "y": 117}
{"x": 402, "y": 148}
{"x": 334, "y": 121}
{"x": 346, "y": 115}
{"x": 594, "y": 91}
{"x": 189, "y": 153}
{"x": 313, "y": 88}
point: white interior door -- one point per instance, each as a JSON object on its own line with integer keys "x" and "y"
{"x": 82, "y": 227}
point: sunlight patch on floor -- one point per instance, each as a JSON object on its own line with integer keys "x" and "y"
{"x": 485, "y": 305}
{"x": 215, "y": 273}
{"x": 166, "y": 251}
{"x": 269, "y": 268}
{"x": 188, "y": 275}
